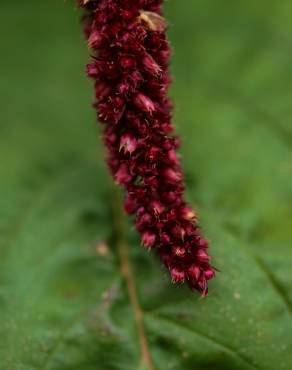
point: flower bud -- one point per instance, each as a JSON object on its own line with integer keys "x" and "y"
{"x": 144, "y": 103}
{"x": 128, "y": 14}
{"x": 150, "y": 65}
{"x": 153, "y": 153}
{"x": 127, "y": 62}
{"x": 170, "y": 197}
{"x": 95, "y": 39}
{"x": 130, "y": 204}
{"x": 194, "y": 272}
{"x": 171, "y": 215}
{"x": 111, "y": 111}
{"x": 128, "y": 143}
{"x": 202, "y": 256}
{"x": 171, "y": 158}
{"x": 122, "y": 176}
{"x": 92, "y": 70}
{"x": 178, "y": 232}
{"x": 171, "y": 175}
{"x": 188, "y": 214}
{"x": 145, "y": 218}
{"x": 140, "y": 211}
{"x": 102, "y": 89}
{"x": 202, "y": 242}
{"x": 209, "y": 274}
{"x": 148, "y": 239}
{"x": 151, "y": 182}
{"x": 123, "y": 88}
{"x": 157, "y": 207}
{"x": 177, "y": 274}
{"x": 165, "y": 238}
{"x": 164, "y": 56}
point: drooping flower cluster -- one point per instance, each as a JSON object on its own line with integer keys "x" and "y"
{"x": 130, "y": 57}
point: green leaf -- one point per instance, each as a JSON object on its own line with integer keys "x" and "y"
{"x": 76, "y": 289}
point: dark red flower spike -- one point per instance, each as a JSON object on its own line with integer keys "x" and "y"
{"x": 130, "y": 57}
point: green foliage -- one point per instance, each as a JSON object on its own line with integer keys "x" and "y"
{"x": 64, "y": 304}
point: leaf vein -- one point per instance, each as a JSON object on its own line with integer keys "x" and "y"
{"x": 227, "y": 349}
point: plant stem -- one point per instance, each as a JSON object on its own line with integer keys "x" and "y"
{"x": 127, "y": 272}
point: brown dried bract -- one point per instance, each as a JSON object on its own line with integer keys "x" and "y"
{"x": 84, "y": 2}
{"x": 153, "y": 21}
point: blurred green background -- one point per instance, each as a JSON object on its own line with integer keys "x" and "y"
{"x": 63, "y": 302}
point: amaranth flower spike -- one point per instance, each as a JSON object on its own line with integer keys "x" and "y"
{"x": 130, "y": 57}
